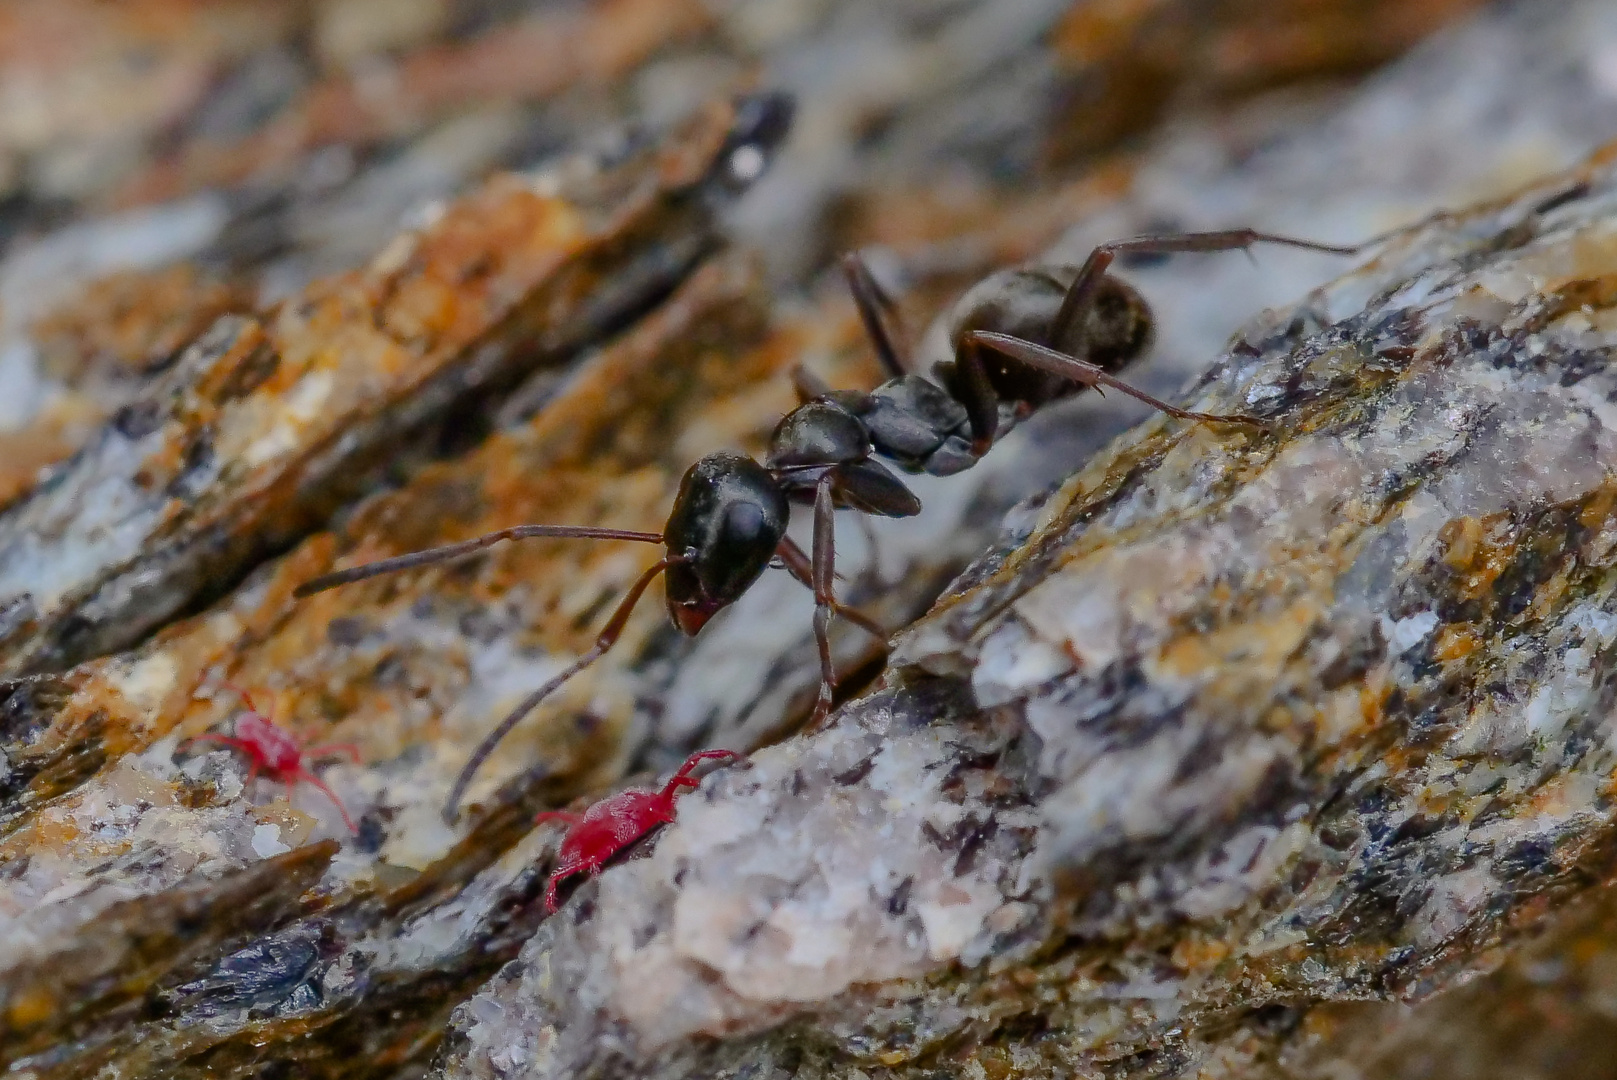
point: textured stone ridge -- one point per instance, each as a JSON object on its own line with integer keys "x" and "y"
{"x": 1242, "y": 724}
{"x": 265, "y": 423}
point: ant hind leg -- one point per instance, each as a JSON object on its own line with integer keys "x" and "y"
{"x": 1081, "y": 293}
{"x": 1081, "y": 371}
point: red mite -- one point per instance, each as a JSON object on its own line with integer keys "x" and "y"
{"x": 614, "y": 823}
{"x": 277, "y": 753}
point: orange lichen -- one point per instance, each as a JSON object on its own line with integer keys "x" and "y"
{"x": 1195, "y": 952}
{"x": 131, "y": 322}
{"x": 1455, "y": 641}
{"x": 530, "y": 59}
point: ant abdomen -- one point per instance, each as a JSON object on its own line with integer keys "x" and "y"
{"x": 1026, "y": 302}
{"x": 1119, "y": 329}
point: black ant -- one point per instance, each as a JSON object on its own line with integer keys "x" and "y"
{"x": 1021, "y": 338}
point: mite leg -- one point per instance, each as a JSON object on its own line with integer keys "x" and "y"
{"x": 704, "y": 755}
{"x": 877, "y": 311}
{"x": 550, "y": 892}
{"x": 683, "y": 779}
{"x": 346, "y": 749}
{"x": 223, "y": 740}
{"x": 305, "y": 774}
{"x": 246, "y": 698}
{"x": 563, "y": 816}
{"x": 1082, "y": 371}
{"x": 608, "y": 637}
{"x": 800, "y": 567}
{"x": 1081, "y": 294}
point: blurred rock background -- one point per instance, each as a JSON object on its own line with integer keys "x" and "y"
{"x": 165, "y": 164}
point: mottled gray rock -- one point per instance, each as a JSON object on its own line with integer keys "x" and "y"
{"x": 1242, "y": 724}
{"x": 1113, "y": 868}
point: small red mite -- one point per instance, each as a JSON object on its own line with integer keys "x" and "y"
{"x": 614, "y": 823}
{"x": 276, "y": 752}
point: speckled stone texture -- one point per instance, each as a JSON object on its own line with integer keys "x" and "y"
{"x": 1237, "y": 725}
{"x": 1216, "y": 758}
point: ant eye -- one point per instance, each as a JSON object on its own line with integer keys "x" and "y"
{"x": 743, "y": 521}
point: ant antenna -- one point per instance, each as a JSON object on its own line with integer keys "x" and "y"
{"x": 465, "y": 547}
{"x": 608, "y": 637}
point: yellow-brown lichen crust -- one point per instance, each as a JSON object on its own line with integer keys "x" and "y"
{"x": 1248, "y": 723}
{"x": 267, "y": 421}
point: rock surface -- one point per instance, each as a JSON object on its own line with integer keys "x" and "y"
{"x": 1218, "y": 753}
{"x": 1240, "y": 725}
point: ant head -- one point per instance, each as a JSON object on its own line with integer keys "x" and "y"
{"x": 727, "y": 520}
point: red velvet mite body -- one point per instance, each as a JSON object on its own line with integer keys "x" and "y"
{"x": 617, "y": 821}
{"x": 271, "y": 749}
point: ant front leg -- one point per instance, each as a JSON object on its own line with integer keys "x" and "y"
{"x": 608, "y": 637}
{"x": 801, "y": 567}
{"x": 1075, "y": 306}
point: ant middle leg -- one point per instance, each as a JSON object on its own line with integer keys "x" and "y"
{"x": 1082, "y": 292}
{"x": 877, "y": 311}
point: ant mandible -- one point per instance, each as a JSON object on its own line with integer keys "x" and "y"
{"x": 1021, "y": 338}
{"x": 273, "y": 750}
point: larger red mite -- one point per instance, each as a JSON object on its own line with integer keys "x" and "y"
{"x": 615, "y": 822}
{"x": 273, "y": 750}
